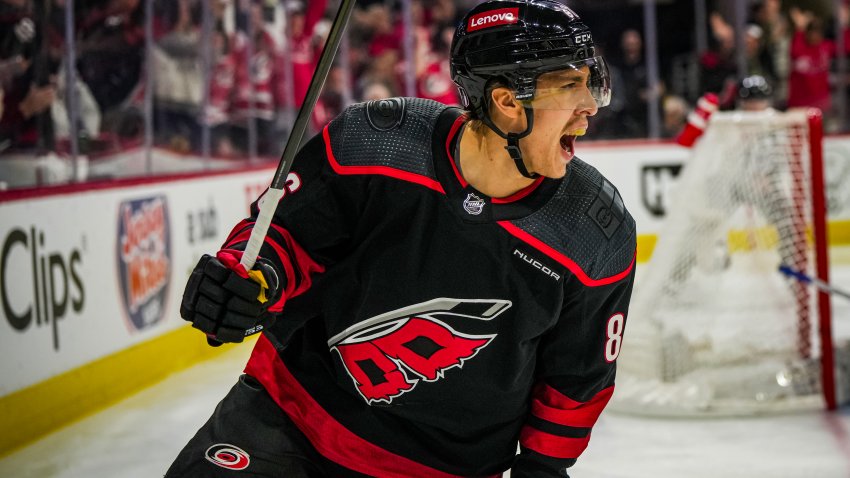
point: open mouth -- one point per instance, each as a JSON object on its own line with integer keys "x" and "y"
{"x": 568, "y": 143}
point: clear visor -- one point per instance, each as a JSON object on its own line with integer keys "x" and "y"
{"x": 578, "y": 85}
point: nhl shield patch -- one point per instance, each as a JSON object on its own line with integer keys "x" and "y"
{"x": 473, "y": 204}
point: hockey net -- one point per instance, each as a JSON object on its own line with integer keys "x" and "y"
{"x": 714, "y": 328}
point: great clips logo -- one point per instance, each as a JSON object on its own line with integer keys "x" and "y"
{"x": 144, "y": 259}
{"x": 388, "y": 355}
{"x": 56, "y": 290}
{"x": 492, "y": 18}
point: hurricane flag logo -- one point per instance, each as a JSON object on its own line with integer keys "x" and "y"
{"x": 388, "y": 355}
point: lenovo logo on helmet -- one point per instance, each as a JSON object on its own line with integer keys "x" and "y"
{"x": 492, "y": 18}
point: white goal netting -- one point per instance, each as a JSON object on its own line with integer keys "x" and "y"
{"x": 714, "y": 327}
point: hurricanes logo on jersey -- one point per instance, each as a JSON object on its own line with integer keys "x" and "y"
{"x": 388, "y": 355}
{"x": 228, "y": 456}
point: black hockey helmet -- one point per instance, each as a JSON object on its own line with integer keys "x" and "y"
{"x": 513, "y": 42}
{"x": 517, "y": 41}
{"x": 754, "y": 87}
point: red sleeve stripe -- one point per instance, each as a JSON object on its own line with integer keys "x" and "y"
{"x": 552, "y": 445}
{"x": 306, "y": 265}
{"x": 378, "y": 170}
{"x": 292, "y": 256}
{"x": 328, "y": 436}
{"x": 564, "y": 260}
{"x": 239, "y": 228}
{"x": 553, "y": 406}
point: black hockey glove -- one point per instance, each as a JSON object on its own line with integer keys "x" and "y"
{"x": 228, "y": 303}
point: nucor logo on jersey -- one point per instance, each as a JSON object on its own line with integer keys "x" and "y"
{"x": 503, "y": 16}
{"x": 536, "y": 264}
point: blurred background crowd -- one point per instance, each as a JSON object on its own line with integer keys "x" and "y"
{"x": 219, "y": 82}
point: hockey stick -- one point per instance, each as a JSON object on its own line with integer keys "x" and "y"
{"x": 806, "y": 279}
{"x": 268, "y": 203}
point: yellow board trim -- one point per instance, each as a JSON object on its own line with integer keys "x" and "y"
{"x": 28, "y": 414}
{"x": 838, "y": 234}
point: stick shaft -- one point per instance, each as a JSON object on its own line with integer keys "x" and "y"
{"x": 268, "y": 204}
{"x": 800, "y": 276}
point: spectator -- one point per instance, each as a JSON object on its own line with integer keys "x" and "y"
{"x": 88, "y": 113}
{"x": 111, "y": 53}
{"x": 28, "y": 78}
{"x": 222, "y": 81}
{"x": 717, "y": 66}
{"x": 759, "y": 61}
{"x": 383, "y": 43}
{"x": 433, "y": 80}
{"x": 302, "y": 47}
{"x": 376, "y": 91}
{"x": 675, "y": 114}
{"x": 178, "y": 78}
{"x": 607, "y": 122}
{"x": 260, "y": 86}
{"x": 332, "y": 100}
{"x": 777, "y": 42}
{"x": 632, "y": 70}
{"x": 811, "y": 53}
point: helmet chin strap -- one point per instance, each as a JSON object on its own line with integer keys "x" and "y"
{"x": 513, "y": 141}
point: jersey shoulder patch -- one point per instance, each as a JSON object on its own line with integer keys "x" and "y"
{"x": 386, "y": 114}
{"x": 607, "y": 211}
{"x": 394, "y": 132}
{"x": 587, "y": 222}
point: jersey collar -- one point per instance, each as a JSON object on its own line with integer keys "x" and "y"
{"x": 466, "y": 201}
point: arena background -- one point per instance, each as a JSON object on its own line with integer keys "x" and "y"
{"x": 181, "y": 108}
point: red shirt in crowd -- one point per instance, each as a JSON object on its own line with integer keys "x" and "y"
{"x": 808, "y": 81}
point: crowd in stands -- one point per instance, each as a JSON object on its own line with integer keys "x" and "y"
{"x": 239, "y": 69}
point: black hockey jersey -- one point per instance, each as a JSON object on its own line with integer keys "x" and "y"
{"x": 427, "y": 328}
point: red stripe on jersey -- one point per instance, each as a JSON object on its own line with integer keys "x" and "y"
{"x": 457, "y": 124}
{"x": 378, "y": 170}
{"x": 295, "y": 257}
{"x": 552, "y": 445}
{"x": 521, "y": 193}
{"x": 564, "y": 260}
{"x": 553, "y": 406}
{"x": 328, "y": 436}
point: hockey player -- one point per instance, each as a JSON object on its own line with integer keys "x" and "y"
{"x": 437, "y": 284}
{"x": 754, "y": 93}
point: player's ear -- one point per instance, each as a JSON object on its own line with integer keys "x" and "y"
{"x": 503, "y": 104}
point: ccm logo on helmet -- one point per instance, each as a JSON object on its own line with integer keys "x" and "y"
{"x": 583, "y": 38}
{"x": 503, "y": 16}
